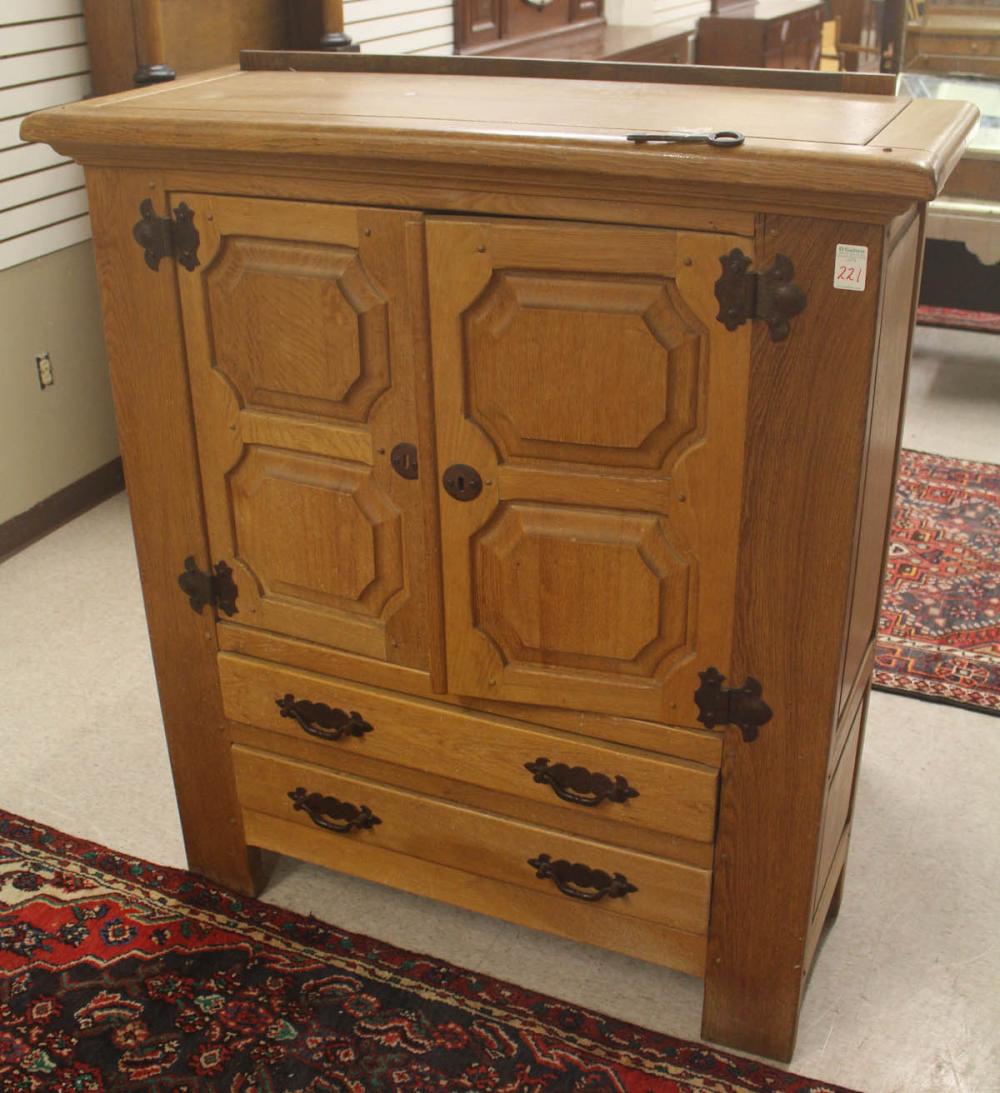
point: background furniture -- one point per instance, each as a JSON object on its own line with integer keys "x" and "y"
{"x": 565, "y": 29}
{"x": 766, "y": 34}
{"x": 955, "y": 39}
{"x": 962, "y": 256}
{"x": 505, "y": 26}
{"x": 148, "y": 41}
{"x": 511, "y": 499}
{"x": 859, "y": 34}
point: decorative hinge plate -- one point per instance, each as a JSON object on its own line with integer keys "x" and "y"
{"x": 217, "y": 588}
{"x": 160, "y": 237}
{"x": 739, "y": 706}
{"x": 768, "y": 294}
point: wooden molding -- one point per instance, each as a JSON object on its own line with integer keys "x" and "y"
{"x": 72, "y": 500}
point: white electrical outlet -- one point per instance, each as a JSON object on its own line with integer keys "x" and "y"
{"x": 44, "y": 367}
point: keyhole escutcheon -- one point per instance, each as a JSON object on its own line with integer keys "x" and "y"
{"x": 462, "y": 482}
{"x": 404, "y": 461}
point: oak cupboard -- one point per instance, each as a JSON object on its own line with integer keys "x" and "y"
{"x": 511, "y": 497}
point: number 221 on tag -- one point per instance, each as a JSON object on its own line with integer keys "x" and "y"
{"x": 850, "y": 268}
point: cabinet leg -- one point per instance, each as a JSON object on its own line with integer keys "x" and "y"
{"x": 763, "y": 1023}
{"x": 238, "y": 868}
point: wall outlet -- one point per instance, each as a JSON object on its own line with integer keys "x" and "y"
{"x": 44, "y": 368}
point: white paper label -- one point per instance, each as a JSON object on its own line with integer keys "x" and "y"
{"x": 851, "y": 269}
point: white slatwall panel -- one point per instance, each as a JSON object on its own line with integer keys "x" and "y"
{"x": 400, "y": 26}
{"x": 43, "y": 62}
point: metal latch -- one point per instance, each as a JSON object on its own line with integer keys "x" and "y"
{"x": 161, "y": 237}
{"x": 768, "y": 294}
{"x": 217, "y": 587}
{"x": 740, "y": 706}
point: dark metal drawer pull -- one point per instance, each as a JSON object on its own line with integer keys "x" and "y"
{"x": 580, "y": 881}
{"x": 318, "y": 719}
{"x": 334, "y": 815}
{"x": 578, "y": 786}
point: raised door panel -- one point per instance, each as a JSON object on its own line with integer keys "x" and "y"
{"x": 580, "y": 371}
{"x": 478, "y": 22}
{"x": 303, "y": 329}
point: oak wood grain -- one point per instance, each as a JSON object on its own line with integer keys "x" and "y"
{"x": 698, "y": 745}
{"x": 675, "y": 797}
{"x": 584, "y": 588}
{"x": 802, "y": 480}
{"x": 555, "y": 914}
{"x": 482, "y": 844}
{"x": 625, "y": 67}
{"x": 590, "y": 823}
{"x": 815, "y": 143}
{"x": 300, "y": 325}
{"x": 147, "y": 358}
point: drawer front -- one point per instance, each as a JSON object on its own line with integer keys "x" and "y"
{"x": 675, "y": 798}
{"x": 356, "y": 817}
{"x": 958, "y": 46}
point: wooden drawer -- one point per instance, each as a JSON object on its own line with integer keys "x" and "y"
{"x": 959, "y": 46}
{"x": 673, "y": 797}
{"x": 396, "y": 837}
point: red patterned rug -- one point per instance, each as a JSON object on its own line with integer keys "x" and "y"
{"x": 986, "y": 321}
{"x": 120, "y": 975}
{"x": 939, "y": 627}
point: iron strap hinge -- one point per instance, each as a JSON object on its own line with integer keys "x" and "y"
{"x": 769, "y": 294}
{"x": 216, "y": 588}
{"x": 740, "y": 706}
{"x": 163, "y": 237}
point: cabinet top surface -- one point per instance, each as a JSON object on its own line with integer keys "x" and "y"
{"x": 875, "y": 145}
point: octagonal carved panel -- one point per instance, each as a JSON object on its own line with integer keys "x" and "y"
{"x": 317, "y": 531}
{"x": 298, "y": 327}
{"x": 585, "y": 368}
{"x": 582, "y": 588}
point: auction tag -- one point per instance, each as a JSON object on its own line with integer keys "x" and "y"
{"x": 851, "y": 269}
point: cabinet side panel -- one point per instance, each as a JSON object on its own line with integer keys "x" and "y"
{"x": 807, "y": 418}
{"x": 901, "y": 289}
{"x": 883, "y": 446}
{"x": 153, "y": 408}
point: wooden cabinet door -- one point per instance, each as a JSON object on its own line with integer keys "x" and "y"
{"x": 304, "y": 326}
{"x": 581, "y": 371}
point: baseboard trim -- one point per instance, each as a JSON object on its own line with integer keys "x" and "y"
{"x": 28, "y": 527}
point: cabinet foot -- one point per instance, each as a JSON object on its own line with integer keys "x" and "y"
{"x": 242, "y": 871}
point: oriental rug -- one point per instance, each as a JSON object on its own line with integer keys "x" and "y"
{"x": 939, "y": 626}
{"x": 116, "y": 974}
{"x": 957, "y": 319}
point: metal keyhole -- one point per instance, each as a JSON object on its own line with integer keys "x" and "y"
{"x": 463, "y": 482}
{"x": 404, "y": 461}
